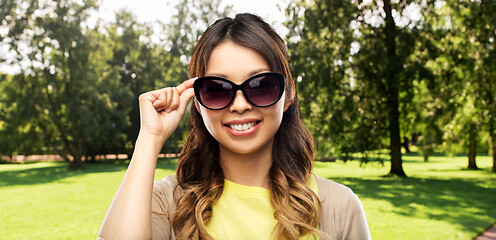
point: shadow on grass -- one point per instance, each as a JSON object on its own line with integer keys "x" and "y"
{"x": 467, "y": 203}
{"x": 375, "y": 159}
{"x": 59, "y": 170}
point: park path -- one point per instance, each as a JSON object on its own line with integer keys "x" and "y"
{"x": 489, "y": 234}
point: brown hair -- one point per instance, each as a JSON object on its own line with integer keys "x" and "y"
{"x": 200, "y": 177}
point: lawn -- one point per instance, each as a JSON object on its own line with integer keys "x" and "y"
{"x": 439, "y": 200}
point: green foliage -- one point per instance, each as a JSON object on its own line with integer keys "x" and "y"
{"x": 361, "y": 71}
{"x": 136, "y": 59}
{"x": 55, "y": 91}
{"x": 17, "y": 134}
{"x": 462, "y": 99}
{"x": 361, "y": 65}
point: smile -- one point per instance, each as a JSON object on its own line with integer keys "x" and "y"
{"x": 242, "y": 127}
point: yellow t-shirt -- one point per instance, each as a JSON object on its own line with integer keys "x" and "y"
{"x": 245, "y": 212}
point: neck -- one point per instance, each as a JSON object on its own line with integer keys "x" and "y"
{"x": 250, "y": 169}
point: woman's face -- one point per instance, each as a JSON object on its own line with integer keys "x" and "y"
{"x": 240, "y": 127}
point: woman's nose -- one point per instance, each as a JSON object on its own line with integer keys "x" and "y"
{"x": 240, "y": 104}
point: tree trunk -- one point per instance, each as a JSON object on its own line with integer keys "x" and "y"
{"x": 394, "y": 138}
{"x": 405, "y": 144}
{"x": 76, "y": 162}
{"x": 77, "y": 155}
{"x": 491, "y": 119}
{"x": 426, "y": 152}
{"x": 493, "y": 143}
{"x": 472, "y": 148}
{"x": 392, "y": 93}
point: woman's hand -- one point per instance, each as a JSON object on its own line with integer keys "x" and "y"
{"x": 161, "y": 110}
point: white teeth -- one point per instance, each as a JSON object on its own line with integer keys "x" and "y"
{"x": 242, "y": 127}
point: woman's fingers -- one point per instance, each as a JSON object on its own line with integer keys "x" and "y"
{"x": 185, "y": 97}
{"x": 157, "y": 98}
{"x": 164, "y": 99}
{"x": 175, "y": 102}
{"x": 169, "y": 99}
{"x": 186, "y": 85}
{"x": 169, "y": 95}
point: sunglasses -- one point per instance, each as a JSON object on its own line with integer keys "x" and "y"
{"x": 261, "y": 90}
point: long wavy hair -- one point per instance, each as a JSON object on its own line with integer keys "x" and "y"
{"x": 200, "y": 177}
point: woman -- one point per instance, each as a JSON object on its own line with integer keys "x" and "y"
{"x": 245, "y": 170}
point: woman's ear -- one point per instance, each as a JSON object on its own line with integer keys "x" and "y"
{"x": 287, "y": 103}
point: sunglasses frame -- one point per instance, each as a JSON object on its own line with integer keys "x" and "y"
{"x": 241, "y": 87}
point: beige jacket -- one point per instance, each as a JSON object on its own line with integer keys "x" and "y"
{"x": 342, "y": 213}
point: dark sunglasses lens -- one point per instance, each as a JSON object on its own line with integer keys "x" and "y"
{"x": 215, "y": 93}
{"x": 263, "y": 90}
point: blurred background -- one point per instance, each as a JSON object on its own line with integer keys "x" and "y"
{"x": 386, "y": 88}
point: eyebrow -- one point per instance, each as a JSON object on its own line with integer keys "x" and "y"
{"x": 254, "y": 72}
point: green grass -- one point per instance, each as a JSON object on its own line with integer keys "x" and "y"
{"x": 439, "y": 200}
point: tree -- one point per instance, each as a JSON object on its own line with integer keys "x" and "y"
{"x": 17, "y": 134}
{"x": 64, "y": 91}
{"x": 481, "y": 22}
{"x": 137, "y": 60}
{"x": 359, "y": 60}
{"x": 111, "y": 104}
{"x": 466, "y": 72}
